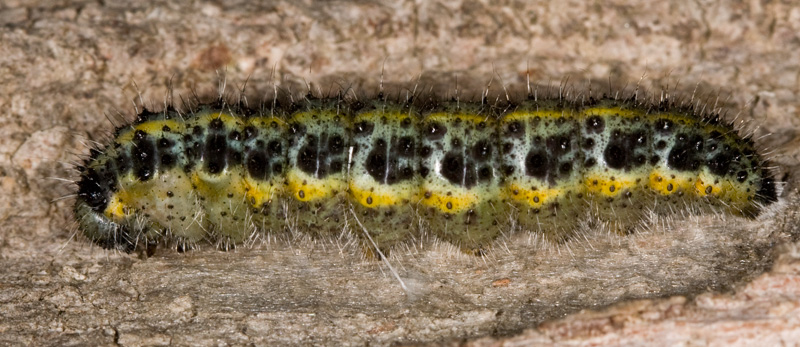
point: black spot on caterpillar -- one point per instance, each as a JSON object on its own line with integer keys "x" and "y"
{"x": 463, "y": 170}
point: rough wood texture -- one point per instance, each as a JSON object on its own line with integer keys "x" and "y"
{"x": 65, "y": 64}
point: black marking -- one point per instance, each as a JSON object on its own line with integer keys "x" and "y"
{"x": 588, "y": 143}
{"x": 215, "y": 153}
{"x": 405, "y": 147}
{"x": 143, "y": 154}
{"x": 482, "y": 151}
{"x": 741, "y": 176}
{"x": 216, "y": 124}
{"x": 565, "y": 169}
{"x": 767, "y": 192}
{"x": 258, "y": 165}
{"x": 595, "y": 125}
{"x": 435, "y": 131}
{"x": 274, "y": 149}
{"x": 536, "y": 164}
{"x": 507, "y": 170}
{"x": 721, "y": 164}
{"x": 620, "y": 153}
{"x": 167, "y": 161}
{"x": 515, "y": 129}
{"x": 250, "y": 132}
{"x": 165, "y": 143}
{"x": 485, "y": 174}
{"x": 685, "y": 155}
{"x": 457, "y": 171}
{"x": 664, "y": 126}
{"x": 94, "y": 191}
{"x": 363, "y": 128}
{"x": 425, "y": 151}
{"x": 335, "y": 145}
{"x": 307, "y": 158}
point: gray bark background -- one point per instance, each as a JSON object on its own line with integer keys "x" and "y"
{"x": 64, "y": 64}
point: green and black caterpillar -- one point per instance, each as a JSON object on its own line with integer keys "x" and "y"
{"x": 464, "y": 171}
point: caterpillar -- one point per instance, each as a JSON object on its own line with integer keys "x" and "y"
{"x": 462, "y": 170}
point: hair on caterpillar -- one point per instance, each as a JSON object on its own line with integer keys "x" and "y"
{"x": 582, "y": 235}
